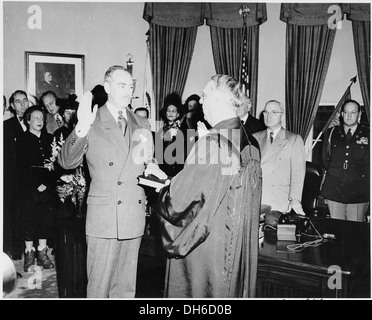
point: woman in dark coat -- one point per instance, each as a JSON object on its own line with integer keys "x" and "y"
{"x": 170, "y": 140}
{"x": 37, "y": 185}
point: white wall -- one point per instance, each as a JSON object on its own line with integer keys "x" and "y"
{"x": 106, "y": 32}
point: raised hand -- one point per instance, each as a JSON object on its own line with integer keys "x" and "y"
{"x": 85, "y": 114}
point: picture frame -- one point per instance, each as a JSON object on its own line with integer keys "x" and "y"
{"x": 59, "y": 72}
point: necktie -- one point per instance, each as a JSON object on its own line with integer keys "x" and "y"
{"x": 348, "y": 135}
{"x": 271, "y": 137}
{"x": 122, "y": 122}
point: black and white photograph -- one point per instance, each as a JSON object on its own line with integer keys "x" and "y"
{"x": 61, "y": 73}
{"x": 180, "y": 151}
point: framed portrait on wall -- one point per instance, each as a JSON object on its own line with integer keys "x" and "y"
{"x": 58, "y": 72}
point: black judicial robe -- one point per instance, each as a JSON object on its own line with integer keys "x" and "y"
{"x": 219, "y": 260}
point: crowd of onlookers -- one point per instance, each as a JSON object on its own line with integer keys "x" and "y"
{"x": 35, "y": 128}
{"x": 31, "y": 124}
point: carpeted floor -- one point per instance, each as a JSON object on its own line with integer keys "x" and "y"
{"x": 40, "y": 283}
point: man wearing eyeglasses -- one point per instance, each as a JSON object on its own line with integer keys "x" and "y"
{"x": 283, "y": 162}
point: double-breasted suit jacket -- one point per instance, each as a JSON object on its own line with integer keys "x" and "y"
{"x": 283, "y": 168}
{"x": 115, "y": 203}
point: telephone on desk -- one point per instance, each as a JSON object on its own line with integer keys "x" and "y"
{"x": 287, "y": 225}
{"x": 273, "y": 218}
{"x": 302, "y": 222}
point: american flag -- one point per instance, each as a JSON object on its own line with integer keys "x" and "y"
{"x": 244, "y": 77}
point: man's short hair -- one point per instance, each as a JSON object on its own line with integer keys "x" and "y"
{"x": 281, "y": 106}
{"x": 45, "y": 94}
{"x": 111, "y": 70}
{"x": 350, "y": 101}
{"x": 48, "y": 93}
{"x": 231, "y": 86}
{"x": 11, "y": 99}
{"x": 142, "y": 109}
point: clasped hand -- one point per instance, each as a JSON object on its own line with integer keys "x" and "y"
{"x": 154, "y": 169}
{"x": 296, "y": 206}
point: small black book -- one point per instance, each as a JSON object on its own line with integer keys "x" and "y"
{"x": 153, "y": 181}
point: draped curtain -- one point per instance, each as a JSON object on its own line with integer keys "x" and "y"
{"x": 227, "y": 35}
{"x": 171, "y": 50}
{"x": 227, "y": 55}
{"x": 172, "y": 36}
{"x": 309, "y": 43}
{"x": 359, "y": 14}
{"x": 226, "y": 50}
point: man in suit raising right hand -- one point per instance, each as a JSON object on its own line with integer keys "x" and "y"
{"x": 283, "y": 162}
{"x": 118, "y": 147}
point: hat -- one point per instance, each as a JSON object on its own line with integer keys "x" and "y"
{"x": 69, "y": 103}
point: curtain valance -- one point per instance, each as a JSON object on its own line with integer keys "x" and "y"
{"x": 229, "y": 15}
{"x": 174, "y": 14}
{"x": 357, "y": 11}
{"x": 193, "y": 14}
{"x": 306, "y": 14}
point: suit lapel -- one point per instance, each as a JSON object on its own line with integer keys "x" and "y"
{"x": 109, "y": 125}
{"x": 132, "y": 126}
{"x": 17, "y": 127}
{"x": 278, "y": 143}
{"x": 263, "y": 143}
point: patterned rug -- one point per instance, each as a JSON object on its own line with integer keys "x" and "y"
{"x": 37, "y": 284}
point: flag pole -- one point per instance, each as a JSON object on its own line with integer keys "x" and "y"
{"x": 338, "y": 107}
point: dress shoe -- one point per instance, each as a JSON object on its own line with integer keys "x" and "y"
{"x": 29, "y": 260}
{"x": 43, "y": 259}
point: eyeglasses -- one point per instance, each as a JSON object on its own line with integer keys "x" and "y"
{"x": 274, "y": 112}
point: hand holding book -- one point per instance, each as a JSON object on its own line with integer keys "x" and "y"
{"x": 153, "y": 181}
{"x": 153, "y": 169}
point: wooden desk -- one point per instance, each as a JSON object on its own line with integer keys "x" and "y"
{"x": 71, "y": 258}
{"x": 306, "y": 274}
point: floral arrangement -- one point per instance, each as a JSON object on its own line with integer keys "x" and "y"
{"x": 56, "y": 147}
{"x": 70, "y": 185}
{"x": 174, "y": 128}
